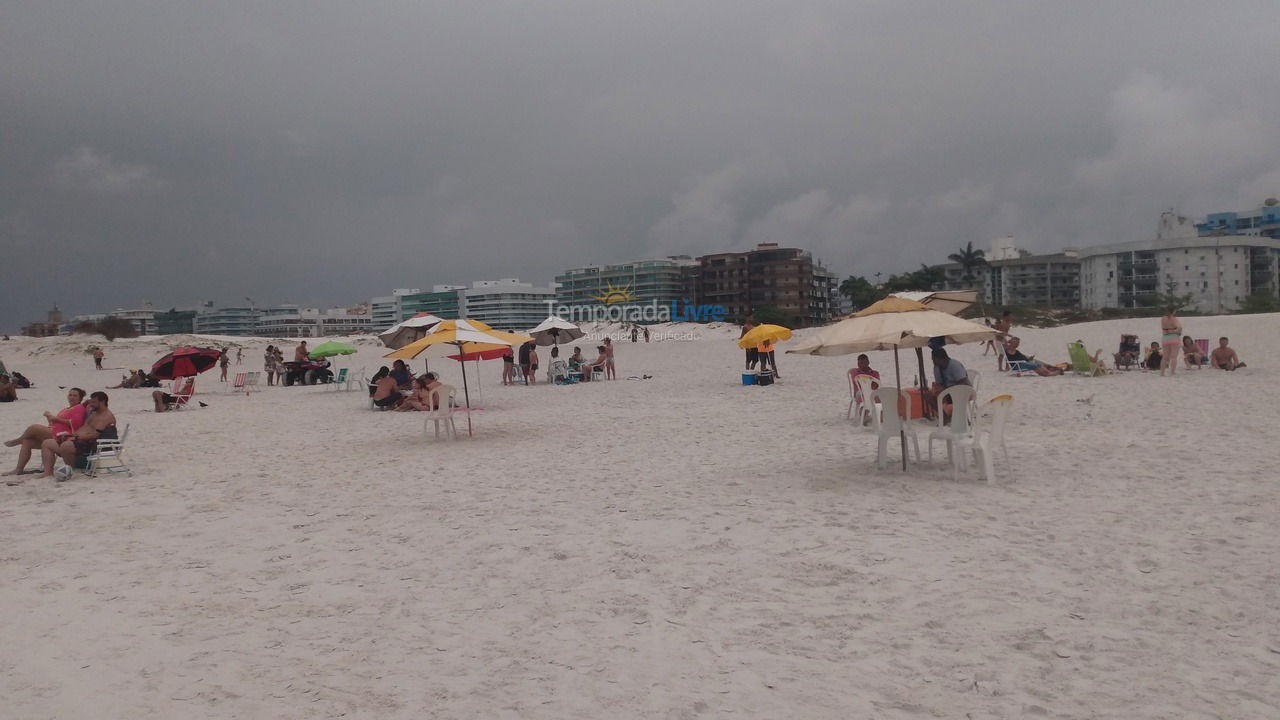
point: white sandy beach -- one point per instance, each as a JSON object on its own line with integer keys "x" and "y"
{"x": 676, "y": 547}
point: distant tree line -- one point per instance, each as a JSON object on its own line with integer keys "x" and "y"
{"x": 108, "y": 327}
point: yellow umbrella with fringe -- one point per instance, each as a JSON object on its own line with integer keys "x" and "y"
{"x": 763, "y": 333}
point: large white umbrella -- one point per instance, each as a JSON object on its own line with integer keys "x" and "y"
{"x": 554, "y": 331}
{"x": 952, "y": 302}
{"x": 890, "y": 324}
{"x": 403, "y": 333}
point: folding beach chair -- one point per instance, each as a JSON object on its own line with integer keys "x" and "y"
{"x": 1081, "y": 362}
{"x": 107, "y": 457}
{"x": 182, "y": 393}
{"x": 240, "y": 382}
{"x": 1203, "y": 346}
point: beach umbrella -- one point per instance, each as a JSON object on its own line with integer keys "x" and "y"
{"x": 403, "y": 333}
{"x": 554, "y": 330}
{"x": 951, "y": 302}
{"x": 890, "y": 324}
{"x": 459, "y": 334}
{"x": 184, "y": 362}
{"x": 330, "y": 349}
{"x": 762, "y": 333}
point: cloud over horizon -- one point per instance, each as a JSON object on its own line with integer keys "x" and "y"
{"x": 323, "y": 152}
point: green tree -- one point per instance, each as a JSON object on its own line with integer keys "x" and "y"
{"x": 859, "y": 290}
{"x": 931, "y": 277}
{"x": 970, "y": 261}
{"x": 771, "y": 315}
{"x": 1260, "y": 302}
{"x": 1169, "y": 298}
{"x": 114, "y": 327}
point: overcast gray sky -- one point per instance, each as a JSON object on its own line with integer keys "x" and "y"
{"x": 323, "y": 152}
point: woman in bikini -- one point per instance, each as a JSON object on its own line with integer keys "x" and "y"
{"x": 1170, "y": 339}
{"x": 60, "y": 427}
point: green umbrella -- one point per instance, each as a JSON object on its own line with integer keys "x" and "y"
{"x": 330, "y": 349}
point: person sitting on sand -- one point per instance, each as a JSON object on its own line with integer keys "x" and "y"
{"x": 421, "y": 397}
{"x": 1154, "y": 358}
{"x": 8, "y": 389}
{"x": 400, "y": 373}
{"x": 1224, "y": 358}
{"x": 101, "y": 423}
{"x": 59, "y": 425}
{"x": 133, "y": 381}
{"x": 1012, "y": 352}
{"x": 385, "y": 394}
{"x": 1191, "y": 354}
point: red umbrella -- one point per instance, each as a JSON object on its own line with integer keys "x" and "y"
{"x": 184, "y": 362}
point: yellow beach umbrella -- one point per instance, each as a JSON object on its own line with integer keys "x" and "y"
{"x": 460, "y": 335}
{"x": 763, "y": 333}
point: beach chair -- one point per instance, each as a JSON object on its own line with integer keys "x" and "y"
{"x": 182, "y": 393}
{"x": 1081, "y": 362}
{"x": 961, "y": 397}
{"x": 239, "y": 382}
{"x": 558, "y": 373}
{"x": 517, "y": 374}
{"x": 1017, "y": 368}
{"x": 888, "y": 423}
{"x": 975, "y": 382}
{"x": 1130, "y": 352}
{"x": 987, "y": 436}
{"x": 442, "y": 399}
{"x": 862, "y": 404}
{"x": 598, "y": 373}
{"x": 107, "y": 457}
{"x": 251, "y": 382}
{"x": 339, "y": 380}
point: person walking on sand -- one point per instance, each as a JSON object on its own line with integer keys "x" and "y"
{"x": 97, "y": 358}
{"x": 1170, "y": 339}
{"x": 239, "y": 356}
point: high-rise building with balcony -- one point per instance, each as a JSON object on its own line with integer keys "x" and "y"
{"x": 786, "y": 279}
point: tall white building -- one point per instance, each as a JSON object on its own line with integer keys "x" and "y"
{"x": 291, "y": 321}
{"x": 507, "y": 304}
{"x": 1218, "y": 272}
{"x": 386, "y": 311}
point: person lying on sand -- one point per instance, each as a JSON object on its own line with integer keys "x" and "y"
{"x": 101, "y": 424}
{"x": 60, "y": 425}
{"x": 1012, "y": 352}
{"x": 1224, "y": 358}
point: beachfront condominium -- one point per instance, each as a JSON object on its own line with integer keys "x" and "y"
{"x": 385, "y": 311}
{"x": 1014, "y": 276}
{"x": 659, "y": 281}
{"x": 506, "y": 304}
{"x": 1217, "y": 271}
{"x": 291, "y": 321}
{"x": 1263, "y": 220}
{"x": 787, "y": 280}
{"x": 236, "y": 321}
{"x": 444, "y": 301}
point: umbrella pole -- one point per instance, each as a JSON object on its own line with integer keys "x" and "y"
{"x": 479, "y": 389}
{"x": 465, "y": 392}
{"x": 920, "y": 359}
{"x": 902, "y": 431}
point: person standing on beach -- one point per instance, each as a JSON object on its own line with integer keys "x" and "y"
{"x": 269, "y": 364}
{"x": 223, "y": 361}
{"x": 610, "y": 372}
{"x": 646, "y": 334}
{"x": 753, "y": 354}
{"x": 97, "y": 358}
{"x": 1170, "y": 339}
{"x": 239, "y": 356}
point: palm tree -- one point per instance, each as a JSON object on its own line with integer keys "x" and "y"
{"x": 970, "y": 261}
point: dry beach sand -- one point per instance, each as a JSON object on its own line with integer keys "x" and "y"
{"x": 676, "y": 547}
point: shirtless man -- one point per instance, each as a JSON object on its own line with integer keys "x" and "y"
{"x": 83, "y": 441}
{"x": 385, "y": 394}
{"x": 1003, "y": 326}
{"x": 301, "y": 352}
{"x": 1224, "y": 358}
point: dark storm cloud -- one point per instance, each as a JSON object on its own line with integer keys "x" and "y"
{"x": 327, "y": 152}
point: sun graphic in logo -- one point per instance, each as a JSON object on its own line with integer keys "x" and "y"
{"x": 616, "y": 295}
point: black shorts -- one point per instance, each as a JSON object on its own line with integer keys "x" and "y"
{"x": 167, "y": 398}
{"x": 388, "y": 401}
{"x": 753, "y": 355}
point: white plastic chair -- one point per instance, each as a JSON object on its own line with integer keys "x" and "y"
{"x": 961, "y": 397}
{"x": 865, "y": 405}
{"x": 975, "y": 382}
{"x": 986, "y": 438}
{"x": 251, "y": 382}
{"x": 889, "y": 424}
{"x": 559, "y": 370}
{"x": 442, "y": 401}
{"x": 106, "y": 456}
{"x": 598, "y": 371}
